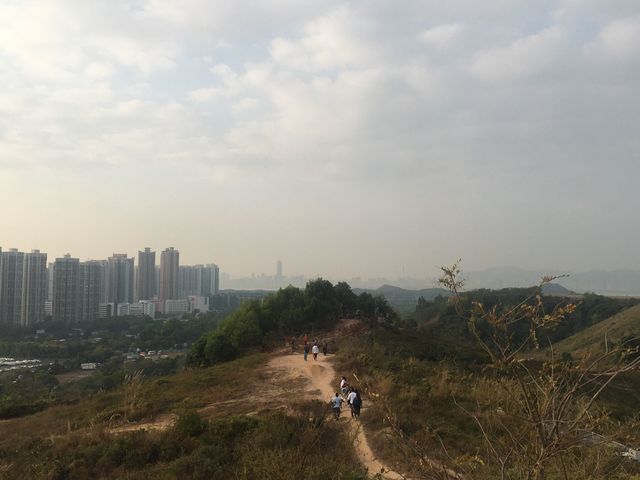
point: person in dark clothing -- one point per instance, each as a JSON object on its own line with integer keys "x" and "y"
{"x": 356, "y": 405}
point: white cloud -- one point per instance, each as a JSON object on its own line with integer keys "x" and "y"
{"x": 524, "y": 57}
{"x": 441, "y": 36}
{"x": 204, "y": 94}
{"x": 388, "y": 101}
{"x": 619, "y": 40}
{"x": 335, "y": 40}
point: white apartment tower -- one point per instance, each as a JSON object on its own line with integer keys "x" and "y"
{"x": 91, "y": 289}
{"x": 66, "y": 289}
{"x": 146, "y": 280}
{"x": 34, "y": 288}
{"x": 11, "y": 274}
{"x": 120, "y": 279}
{"x": 169, "y": 275}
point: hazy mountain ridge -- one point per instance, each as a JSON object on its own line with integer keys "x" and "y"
{"x": 603, "y": 282}
{"x": 405, "y": 300}
{"x": 402, "y": 299}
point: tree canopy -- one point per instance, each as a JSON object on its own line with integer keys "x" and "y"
{"x": 288, "y": 311}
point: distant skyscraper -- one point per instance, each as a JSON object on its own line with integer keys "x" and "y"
{"x": 50, "y": 281}
{"x": 279, "y": 269}
{"x": 146, "y": 279}
{"x": 169, "y": 274}
{"x": 211, "y": 280}
{"x": 199, "y": 280}
{"x": 104, "y": 294}
{"x": 157, "y": 292}
{"x": 91, "y": 289}
{"x": 34, "y": 288}
{"x": 188, "y": 280}
{"x": 120, "y": 279}
{"x": 66, "y": 289}
{"x": 11, "y": 272}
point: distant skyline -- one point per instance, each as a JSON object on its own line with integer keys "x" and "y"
{"x": 348, "y": 139}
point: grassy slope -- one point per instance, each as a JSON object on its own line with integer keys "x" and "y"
{"x": 592, "y": 339}
{"x": 74, "y": 441}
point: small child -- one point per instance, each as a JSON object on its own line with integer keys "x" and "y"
{"x": 336, "y": 405}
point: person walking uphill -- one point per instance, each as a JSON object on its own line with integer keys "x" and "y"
{"x": 315, "y": 350}
{"x": 352, "y": 395}
{"x": 306, "y": 352}
{"x": 344, "y": 387}
{"x": 336, "y": 404}
{"x": 356, "y": 405}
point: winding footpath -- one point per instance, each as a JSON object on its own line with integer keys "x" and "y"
{"x": 321, "y": 377}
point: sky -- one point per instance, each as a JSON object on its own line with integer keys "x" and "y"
{"x": 362, "y": 138}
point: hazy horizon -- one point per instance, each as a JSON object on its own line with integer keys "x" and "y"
{"x": 347, "y": 139}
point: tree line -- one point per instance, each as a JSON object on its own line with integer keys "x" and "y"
{"x": 288, "y": 311}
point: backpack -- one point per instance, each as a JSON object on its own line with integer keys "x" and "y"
{"x": 357, "y": 402}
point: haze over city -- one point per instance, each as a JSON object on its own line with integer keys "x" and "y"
{"x": 345, "y": 138}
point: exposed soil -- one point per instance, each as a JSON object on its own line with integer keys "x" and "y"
{"x": 74, "y": 376}
{"x": 319, "y": 381}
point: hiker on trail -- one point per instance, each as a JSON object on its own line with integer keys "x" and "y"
{"x": 315, "y": 350}
{"x": 352, "y": 395}
{"x": 356, "y": 405}
{"x": 344, "y": 386}
{"x": 306, "y": 351}
{"x": 324, "y": 349}
{"x": 336, "y": 405}
{"x": 293, "y": 344}
{"x": 306, "y": 339}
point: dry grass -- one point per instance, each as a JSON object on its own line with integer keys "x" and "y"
{"x": 591, "y": 340}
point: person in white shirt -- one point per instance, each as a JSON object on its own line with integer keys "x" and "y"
{"x": 344, "y": 387}
{"x": 315, "y": 350}
{"x": 350, "y": 398}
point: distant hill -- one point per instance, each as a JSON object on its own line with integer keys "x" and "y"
{"x": 556, "y": 290}
{"x": 403, "y": 300}
{"x": 603, "y": 282}
{"x": 592, "y": 339}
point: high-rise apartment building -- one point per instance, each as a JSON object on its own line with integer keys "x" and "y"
{"x": 169, "y": 274}
{"x": 91, "y": 289}
{"x": 120, "y": 279}
{"x": 199, "y": 280}
{"x": 50, "y": 281}
{"x": 212, "y": 280}
{"x": 66, "y": 289}
{"x": 190, "y": 278}
{"x": 34, "y": 288}
{"x": 146, "y": 280}
{"x": 11, "y": 274}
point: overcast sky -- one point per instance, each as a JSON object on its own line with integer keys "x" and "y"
{"x": 372, "y": 138}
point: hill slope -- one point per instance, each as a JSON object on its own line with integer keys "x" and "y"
{"x": 403, "y": 300}
{"x": 592, "y": 339}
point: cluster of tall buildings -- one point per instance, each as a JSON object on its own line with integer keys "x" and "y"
{"x": 73, "y": 291}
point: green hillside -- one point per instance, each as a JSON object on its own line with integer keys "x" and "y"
{"x": 620, "y": 327}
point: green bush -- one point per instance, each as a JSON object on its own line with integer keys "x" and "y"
{"x": 190, "y": 424}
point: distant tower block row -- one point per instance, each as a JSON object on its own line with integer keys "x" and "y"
{"x": 72, "y": 291}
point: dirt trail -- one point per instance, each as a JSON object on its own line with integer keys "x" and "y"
{"x": 321, "y": 376}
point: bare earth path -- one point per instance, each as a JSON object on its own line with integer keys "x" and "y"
{"x": 320, "y": 384}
